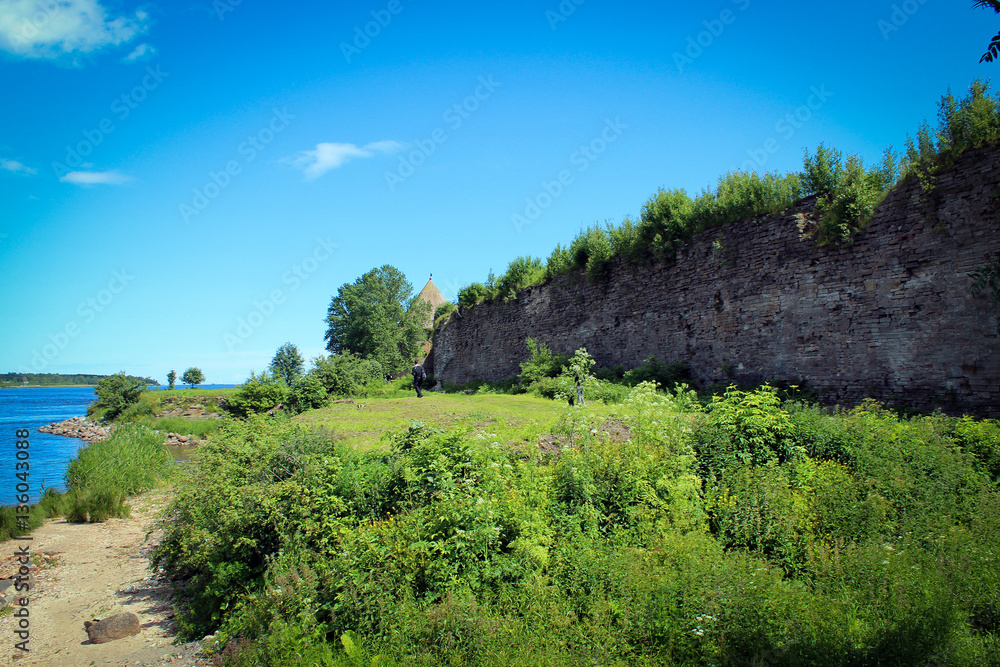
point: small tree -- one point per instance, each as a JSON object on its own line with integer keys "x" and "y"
{"x": 171, "y": 378}
{"x": 287, "y": 363}
{"x": 117, "y": 392}
{"x": 193, "y": 376}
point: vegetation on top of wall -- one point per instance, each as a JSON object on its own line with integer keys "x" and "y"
{"x": 847, "y": 193}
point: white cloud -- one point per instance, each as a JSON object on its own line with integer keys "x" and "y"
{"x": 142, "y": 51}
{"x": 329, "y": 156}
{"x": 96, "y": 178}
{"x": 58, "y": 28}
{"x": 16, "y": 167}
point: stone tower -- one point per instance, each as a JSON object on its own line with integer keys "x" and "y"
{"x": 432, "y": 295}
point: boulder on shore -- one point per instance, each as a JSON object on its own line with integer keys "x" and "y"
{"x": 118, "y": 626}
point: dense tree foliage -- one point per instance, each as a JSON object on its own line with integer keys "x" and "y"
{"x": 287, "y": 363}
{"x": 378, "y": 316}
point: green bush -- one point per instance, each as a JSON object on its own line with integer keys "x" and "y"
{"x": 472, "y": 294}
{"x": 558, "y": 263}
{"x": 848, "y": 193}
{"x": 347, "y": 374}
{"x": 665, "y": 225}
{"x": 653, "y": 370}
{"x": 745, "y": 427}
{"x": 742, "y": 195}
{"x": 115, "y": 394}
{"x": 542, "y": 363}
{"x": 982, "y": 440}
{"x": 522, "y": 272}
{"x": 307, "y": 393}
{"x": 443, "y": 312}
{"x": 259, "y": 393}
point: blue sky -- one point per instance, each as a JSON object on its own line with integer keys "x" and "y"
{"x": 188, "y": 183}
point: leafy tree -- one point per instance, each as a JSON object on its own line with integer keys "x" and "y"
{"x": 117, "y": 392}
{"x": 378, "y": 316}
{"x": 993, "y": 50}
{"x": 171, "y": 378}
{"x": 193, "y": 376}
{"x": 287, "y": 363}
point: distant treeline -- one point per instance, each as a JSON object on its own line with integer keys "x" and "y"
{"x": 49, "y": 379}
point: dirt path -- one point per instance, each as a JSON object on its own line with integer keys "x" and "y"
{"x": 86, "y": 571}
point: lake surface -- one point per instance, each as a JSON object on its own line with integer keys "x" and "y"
{"x": 30, "y": 408}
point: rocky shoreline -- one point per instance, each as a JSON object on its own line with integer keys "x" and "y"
{"x": 89, "y": 431}
{"x": 79, "y": 427}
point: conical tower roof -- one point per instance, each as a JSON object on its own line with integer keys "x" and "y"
{"x": 432, "y": 295}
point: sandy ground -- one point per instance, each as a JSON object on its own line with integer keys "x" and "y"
{"x": 83, "y": 572}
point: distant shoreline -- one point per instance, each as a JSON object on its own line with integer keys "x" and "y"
{"x": 48, "y": 386}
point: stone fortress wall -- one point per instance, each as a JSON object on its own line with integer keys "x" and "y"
{"x": 890, "y": 315}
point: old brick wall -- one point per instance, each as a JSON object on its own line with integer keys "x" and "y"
{"x": 890, "y": 315}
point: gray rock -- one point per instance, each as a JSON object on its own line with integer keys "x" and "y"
{"x": 116, "y": 627}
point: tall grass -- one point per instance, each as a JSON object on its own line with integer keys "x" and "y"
{"x": 104, "y": 474}
{"x": 49, "y": 506}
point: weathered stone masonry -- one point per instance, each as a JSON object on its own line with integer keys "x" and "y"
{"x": 890, "y": 315}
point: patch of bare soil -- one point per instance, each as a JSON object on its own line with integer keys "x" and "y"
{"x": 82, "y": 572}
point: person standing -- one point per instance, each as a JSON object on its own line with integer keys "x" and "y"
{"x": 418, "y": 378}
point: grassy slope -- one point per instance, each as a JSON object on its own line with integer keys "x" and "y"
{"x": 514, "y": 419}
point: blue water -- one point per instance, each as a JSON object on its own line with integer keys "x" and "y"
{"x": 25, "y": 408}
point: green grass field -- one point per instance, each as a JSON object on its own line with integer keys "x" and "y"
{"x": 515, "y": 419}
